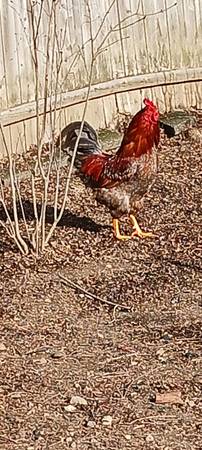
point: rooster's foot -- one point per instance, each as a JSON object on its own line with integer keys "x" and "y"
{"x": 137, "y": 230}
{"x": 118, "y": 235}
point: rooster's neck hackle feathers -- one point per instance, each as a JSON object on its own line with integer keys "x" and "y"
{"x": 143, "y": 132}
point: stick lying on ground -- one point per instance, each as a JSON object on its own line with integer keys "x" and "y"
{"x": 70, "y": 283}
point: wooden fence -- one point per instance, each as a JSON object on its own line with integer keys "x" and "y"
{"x": 144, "y": 48}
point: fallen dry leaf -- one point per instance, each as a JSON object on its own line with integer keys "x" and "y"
{"x": 173, "y": 397}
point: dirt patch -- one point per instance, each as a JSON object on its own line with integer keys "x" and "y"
{"x": 57, "y": 342}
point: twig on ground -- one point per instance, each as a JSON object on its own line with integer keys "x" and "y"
{"x": 148, "y": 418}
{"x": 70, "y": 283}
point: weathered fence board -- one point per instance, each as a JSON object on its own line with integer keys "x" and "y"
{"x": 147, "y": 47}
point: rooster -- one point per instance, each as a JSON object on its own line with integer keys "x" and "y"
{"x": 120, "y": 180}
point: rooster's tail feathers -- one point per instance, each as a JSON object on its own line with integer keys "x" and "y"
{"x": 88, "y": 143}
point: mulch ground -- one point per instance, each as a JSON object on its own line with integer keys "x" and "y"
{"x": 56, "y": 341}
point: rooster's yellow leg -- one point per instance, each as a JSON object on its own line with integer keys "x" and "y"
{"x": 118, "y": 235}
{"x": 137, "y": 230}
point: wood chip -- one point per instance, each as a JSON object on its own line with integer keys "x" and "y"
{"x": 107, "y": 421}
{"x": 2, "y": 347}
{"x": 173, "y": 397}
{"x": 77, "y": 400}
{"x": 70, "y": 408}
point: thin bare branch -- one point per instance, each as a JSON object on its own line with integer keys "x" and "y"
{"x": 22, "y": 243}
{"x": 2, "y": 200}
{"x": 119, "y": 25}
{"x": 39, "y": 20}
{"x": 104, "y": 19}
{"x": 77, "y": 141}
{"x": 36, "y": 72}
{"x": 19, "y": 15}
{"x": 11, "y": 233}
{"x": 72, "y": 162}
{"x": 51, "y": 146}
{"x": 20, "y": 201}
{"x": 35, "y": 234}
{"x": 104, "y": 49}
{"x": 46, "y": 77}
{"x": 70, "y": 283}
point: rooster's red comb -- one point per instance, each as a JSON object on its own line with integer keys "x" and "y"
{"x": 149, "y": 103}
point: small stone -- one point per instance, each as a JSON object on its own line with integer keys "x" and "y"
{"x": 175, "y": 300}
{"x": 54, "y": 244}
{"x": 167, "y": 338}
{"x": 100, "y": 335}
{"x": 198, "y": 378}
{"x": 191, "y": 403}
{"x": 160, "y": 352}
{"x": 152, "y": 397}
{"x": 2, "y": 347}
{"x": 91, "y": 424}
{"x": 36, "y": 434}
{"x": 149, "y": 438}
{"x": 16, "y": 395}
{"x": 70, "y": 408}
{"x": 107, "y": 421}
{"x": 57, "y": 354}
{"x": 128, "y": 437}
{"x": 43, "y": 361}
{"x": 189, "y": 354}
{"x": 77, "y": 400}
